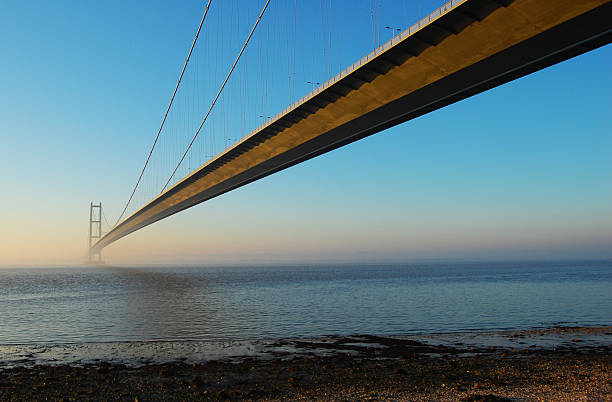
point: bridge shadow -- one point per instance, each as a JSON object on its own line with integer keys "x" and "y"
{"x": 162, "y": 303}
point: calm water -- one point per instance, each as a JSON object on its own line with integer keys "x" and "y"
{"x": 217, "y": 304}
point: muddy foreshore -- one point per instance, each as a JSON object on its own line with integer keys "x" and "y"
{"x": 544, "y": 364}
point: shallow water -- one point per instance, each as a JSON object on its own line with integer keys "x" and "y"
{"x": 224, "y": 304}
{"x": 137, "y": 354}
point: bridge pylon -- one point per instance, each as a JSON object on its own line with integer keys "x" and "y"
{"x": 95, "y": 231}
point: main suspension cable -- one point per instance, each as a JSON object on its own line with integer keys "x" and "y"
{"x": 218, "y": 94}
{"x": 167, "y": 111}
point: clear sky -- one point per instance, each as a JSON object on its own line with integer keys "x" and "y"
{"x": 522, "y": 171}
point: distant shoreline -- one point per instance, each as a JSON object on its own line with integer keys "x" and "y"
{"x": 305, "y": 263}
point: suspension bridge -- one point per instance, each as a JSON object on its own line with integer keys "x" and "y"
{"x": 460, "y": 49}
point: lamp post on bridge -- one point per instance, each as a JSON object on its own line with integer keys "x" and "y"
{"x": 393, "y": 31}
{"x": 313, "y": 84}
{"x": 264, "y": 117}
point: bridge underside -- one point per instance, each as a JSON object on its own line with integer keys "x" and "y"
{"x": 472, "y": 46}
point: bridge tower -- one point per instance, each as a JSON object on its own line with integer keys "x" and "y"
{"x": 95, "y": 230}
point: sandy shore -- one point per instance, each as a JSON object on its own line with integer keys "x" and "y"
{"x": 349, "y": 368}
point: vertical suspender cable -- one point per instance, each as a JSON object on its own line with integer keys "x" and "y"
{"x": 324, "y": 45}
{"x": 218, "y": 94}
{"x": 340, "y": 61}
{"x": 293, "y": 49}
{"x": 379, "y": 13}
{"x": 329, "y": 26}
{"x": 372, "y": 7}
{"x": 167, "y": 111}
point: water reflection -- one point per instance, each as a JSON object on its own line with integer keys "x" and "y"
{"x": 162, "y": 304}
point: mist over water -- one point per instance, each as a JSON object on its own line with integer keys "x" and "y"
{"x": 112, "y": 304}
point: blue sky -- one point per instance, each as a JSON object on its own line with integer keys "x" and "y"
{"x": 521, "y": 171}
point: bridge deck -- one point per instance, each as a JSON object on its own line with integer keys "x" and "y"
{"x": 464, "y": 48}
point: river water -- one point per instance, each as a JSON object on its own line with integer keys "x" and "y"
{"x": 126, "y": 304}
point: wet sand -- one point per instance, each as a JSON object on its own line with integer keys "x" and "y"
{"x": 566, "y": 364}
